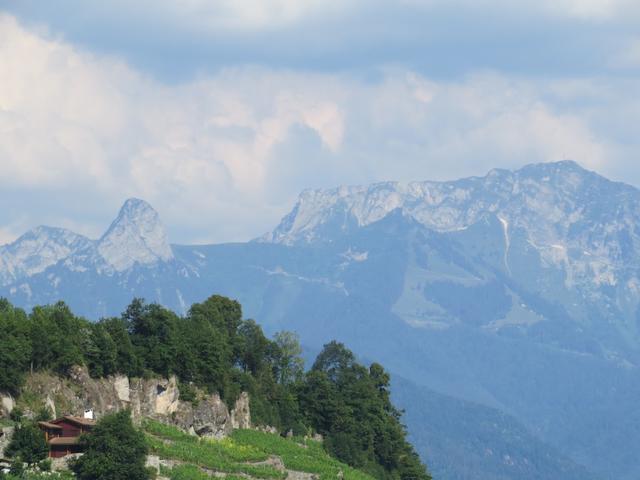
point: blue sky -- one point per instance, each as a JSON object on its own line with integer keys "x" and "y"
{"x": 219, "y": 112}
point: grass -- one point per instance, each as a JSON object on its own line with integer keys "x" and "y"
{"x": 298, "y": 454}
{"x": 5, "y": 422}
{"x": 30, "y": 400}
{"x": 41, "y": 476}
{"x": 239, "y": 453}
{"x": 218, "y": 455}
{"x": 191, "y": 472}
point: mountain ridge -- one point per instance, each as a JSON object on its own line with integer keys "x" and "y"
{"x": 531, "y": 308}
{"x": 369, "y": 203}
{"x": 136, "y": 236}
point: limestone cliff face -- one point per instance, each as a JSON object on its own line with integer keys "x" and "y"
{"x": 5, "y": 438}
{"x": 6, "y": 404}
{"x": 154, "y": 398}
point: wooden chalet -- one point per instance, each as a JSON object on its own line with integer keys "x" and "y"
{"x": 63, "y": 434}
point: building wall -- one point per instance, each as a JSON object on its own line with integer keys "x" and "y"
{"x": 69, "y": 429}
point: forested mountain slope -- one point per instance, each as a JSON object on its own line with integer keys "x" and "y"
{"x": 215, "y": 350}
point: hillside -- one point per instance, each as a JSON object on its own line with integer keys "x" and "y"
{"x": 494, "y": 445}
{"x": 208, "y": 372}
{"x": 246, "y": 454}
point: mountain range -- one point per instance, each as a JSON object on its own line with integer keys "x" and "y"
{"x": 507, "y": 306}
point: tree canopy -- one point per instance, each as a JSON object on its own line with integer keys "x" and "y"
{"x": 213, "y": 348}
{"x": 114, "y": 450}
{"x": 27, "y": 444}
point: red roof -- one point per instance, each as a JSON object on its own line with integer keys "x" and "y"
{"x": 50, "y": 425}
{"x": 77, "y": 420}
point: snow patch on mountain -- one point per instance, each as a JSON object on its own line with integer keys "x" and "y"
{"x": 355, "y": 256}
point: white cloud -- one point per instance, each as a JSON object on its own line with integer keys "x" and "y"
{"x": 232, "y": 14}
{"x": 592, "y": 9}
{"x": 7, "y": 236}
{"x": 222, "y": 157}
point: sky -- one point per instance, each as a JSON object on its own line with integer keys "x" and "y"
{"x": 220, "y": 112}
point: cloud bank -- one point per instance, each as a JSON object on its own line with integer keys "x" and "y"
{"x": 223, "y": 155}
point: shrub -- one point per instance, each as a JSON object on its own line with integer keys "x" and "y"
{"x": 115, "y": 450}
{"x": 28, "y": 444}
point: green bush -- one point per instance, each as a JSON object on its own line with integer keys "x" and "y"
{"x": 114, "y": 450}
{"x": 28, "y": 444}
{"x": 45, "y": 465}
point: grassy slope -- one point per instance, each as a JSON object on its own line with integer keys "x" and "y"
{"x": 242, "y": 454}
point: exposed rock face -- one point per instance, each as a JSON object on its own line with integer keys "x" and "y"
{"x": 136, "y": 236}
{"x": 5, "y": 437}
{"x": 63, "y": 463}
{"x": 154, "y": 398}
{"x": 241, "y": 415}
{"x": 209, "y": 417}
{"x": 6, "y": 404}
{"x": 153, "y": 462}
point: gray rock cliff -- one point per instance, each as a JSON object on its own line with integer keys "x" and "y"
{"x": 157, "y": 398}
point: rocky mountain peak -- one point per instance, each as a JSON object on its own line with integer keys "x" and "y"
{"x": 135, "y": 236}
{"x": 541, "y": 198}
{"x": 37, "y": 250}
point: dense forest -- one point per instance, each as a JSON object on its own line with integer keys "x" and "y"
{"x": 213, "y": 348}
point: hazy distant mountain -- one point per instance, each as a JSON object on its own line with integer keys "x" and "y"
{"x": 136, "y": 237}
{"x": 518, "y": 291}
{"x": 566, "y": 235}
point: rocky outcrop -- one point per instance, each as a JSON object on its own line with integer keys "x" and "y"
{"x": 64, "y": 463}
{"x": 5, "y": 437}
{"x": 241, "y": 414}
{"x": 6, "y": 404}
{"x": 152, "y": 398}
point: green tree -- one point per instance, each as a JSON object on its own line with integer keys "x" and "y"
{"x": 335, "y": 360}
{"x": 349, "y": 404}
{"x": 126, "y": 361}
{"x": 254, "y": 347}
{"x": 15, "y": 347}
{"x": 153, "y": 331}
{"x": 115, "y": 450}
{"x": 28, "y": 444}
{"x": 289, "y": 365}
{"x": 44, "y": 414}
{"x": 56, "y": 338}
{"x": 201, "y": 350}
{"x": 100, "y": 351}
{"x": 225, "y": 316}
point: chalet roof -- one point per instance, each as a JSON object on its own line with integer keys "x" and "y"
{"x": 50, "y": 425}
{"x": 64, "y": 441}
{"x": 86, "y": 422}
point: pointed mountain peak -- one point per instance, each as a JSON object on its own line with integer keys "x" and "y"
{"x": 135, "y": 236}
{"x": 135, "y": 208}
